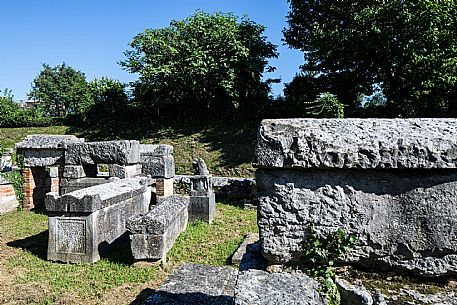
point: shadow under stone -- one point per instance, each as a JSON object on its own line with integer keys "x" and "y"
{"x": 118, "y": 251}
{"x": 191, "y": 298}
{"x": 35, "y": 244}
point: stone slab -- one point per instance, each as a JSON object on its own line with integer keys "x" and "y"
{"x": 193, "y": 284}
{"x": 152, "y": 235}
{"x": 257, "y": 287}
{"x": 124, "y": 171}
{"x": 95, "y": 197}
{"x": 71, "y": 185}
{"x": 404, "y": 220}
{"x": 159, "y": 167}
{"x": 154, "y": 150}
{"x": 249, "y": 254}
{"x": 74, "y": 171}
{"x": 8, "y": 204}
{"x": 357, "y": 143}
{"x": 104, "y": 152}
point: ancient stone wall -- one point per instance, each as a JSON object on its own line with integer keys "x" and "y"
{"x": 392, "y": 183}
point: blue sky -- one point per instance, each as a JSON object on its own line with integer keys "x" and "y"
{"x": 91, "y": 36}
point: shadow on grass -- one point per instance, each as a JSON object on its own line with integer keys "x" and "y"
{"x": 35, "y": 244}
{"x": 143, "y": 296}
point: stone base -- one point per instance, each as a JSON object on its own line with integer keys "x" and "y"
{"x": 8, "y": 203}
{"x": 202, "y": 208}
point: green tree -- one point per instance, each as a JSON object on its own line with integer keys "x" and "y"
{"x": 407, "y": 47}
{"x": 203, "y": 63}
{"x": 62, "y": 91}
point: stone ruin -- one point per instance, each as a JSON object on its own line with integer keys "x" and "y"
{"x": 89, "y": 208}
{"x": 391, "y": 182}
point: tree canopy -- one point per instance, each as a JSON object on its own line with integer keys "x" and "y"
{"x": 405, "y": 48}
{"x": 207, "y": 62}
{"x": 61, "y": 90}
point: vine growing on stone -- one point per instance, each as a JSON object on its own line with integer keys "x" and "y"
{"x": 320, "y": 253}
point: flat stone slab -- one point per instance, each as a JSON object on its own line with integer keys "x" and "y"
{"x": 42, "y": 141}
{"x": 155, "y": 150}
{"x": 357, "y": 143}
{"x": 249, "y": 254}
{"x": 95, "y": 197}
{"x": 256, "y": 287}
{"x": 104, "y": 152}
{"x": 193, "y": 284}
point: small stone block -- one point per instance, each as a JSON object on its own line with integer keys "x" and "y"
{"x": 202, "y": 208}
{"x": 124, "y": 171}
{"x": 159, "y": 167}
{"x": 74, "y": 171}
{"x": 53, "y": 171}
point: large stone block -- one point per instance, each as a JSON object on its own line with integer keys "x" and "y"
{"x": 154, "y": 150}
{"x": 44, "y": 150}
{"x": 159, "y": 166}
{"x": 153, "y": 235}
{"x": 81, "y": 223}
{"x": 105, "y": 152}
{"x": 392, "y": 183}
{"x": 357, "y": 143}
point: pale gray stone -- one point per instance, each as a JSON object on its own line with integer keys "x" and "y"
{"x": 249, "y": 254}
{"x": 193, "y": 284}
{"x": 154, "y": 150}
{"x": 79, "y": 230}
{"x": 357, "y": 143}
{"x": 8, "y": 204}
{"x": 105, "y": 152}
{"x": 45, "y": 150}
{"x": 353, "y": 294}
{"x": 402, "y": 219}
{"x": 124, "y": 171}
{"x": 152, "y": 235}
{"x": 256, "y": 287}
{"x": 69, "y": 185}
{"x": 200, "y": 168}
{"x": 53, "y": 171}
{"x": 200, "y": 185}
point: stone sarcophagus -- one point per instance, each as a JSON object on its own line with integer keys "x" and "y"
{"x": 82, "y": 222}
{"x": 391, "y": 182}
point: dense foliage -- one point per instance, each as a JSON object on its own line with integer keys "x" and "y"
{"x": 61, "y": 90}
{"x": 203, "y": 64}
{"x": 407, "y": 49}
{"x": 12, "y": 115}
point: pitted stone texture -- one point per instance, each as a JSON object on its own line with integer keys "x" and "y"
{"x": 153, "y": 235}
{"x": 357, "y": 143}
{"x": 95, "y": 197}
{"x": 404, "y": 219}
{"x": 193, "y": 284}
{"x": 78, "y": 234}
{"x": 45, "y": 150}
{"x": 71, "y": 185}
{"x": 158, "y": 166}
{"x": 105, "y": 152}
{"x": 124, "y": 171}
{"x": 353, "y": 294}
{"x": 256, "y": 287}
{"x": 74, "y": 171}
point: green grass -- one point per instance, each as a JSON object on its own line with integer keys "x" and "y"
{"x": 112, "y": 280}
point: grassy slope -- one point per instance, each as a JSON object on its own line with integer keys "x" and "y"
{"x": 227, "y": 148}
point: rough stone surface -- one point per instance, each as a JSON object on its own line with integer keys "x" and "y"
{"x": 202, "y": 208}
{"x": 71, "y": 185}
{"x": 95, "y": 197}
{"x": 105, "y": 152}
{"x": 159, "y": 166}
{"x": 403, "y": 219}
{"x": 78, "y": 231}
{"x": 353, "y": 294}
{"x": 256, "y": 287}
{"x": 45, "y": 150}
{"x": 74, "y": 171}
{"x": 200, "y": 185}
{"x": 124, "y": 171}
{"x": 152, "y": 235}
{"x": 193, "y": 284}
{"x": 357, "y": 143}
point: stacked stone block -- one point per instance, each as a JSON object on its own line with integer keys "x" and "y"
{"x": 8, "y": 201}
{"x": 43, "y": 157}
{"x": 157, "y": 162}
{"x": 392, "y": 183}
{"x": 82, "y": 222}
{"x": 152, "y": 235}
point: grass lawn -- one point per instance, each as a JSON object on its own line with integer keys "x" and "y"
{"x": 27, "y": 278}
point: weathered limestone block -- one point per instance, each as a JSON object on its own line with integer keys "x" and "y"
{"x": 44, "y": 150}
{"x": 200, "y": 185}
{"x": 400, "y": 201}
{"x": 104, "y": 152}
{"x": 257, "y": 287}
{"x": 152, "y": 235}
{"x": 74, "y": 171}
{"x": 357, "y": 143}
{"x": 124, "y": 171}
{"x": 82, "y": 222}
{"x": 157, "y": 160}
